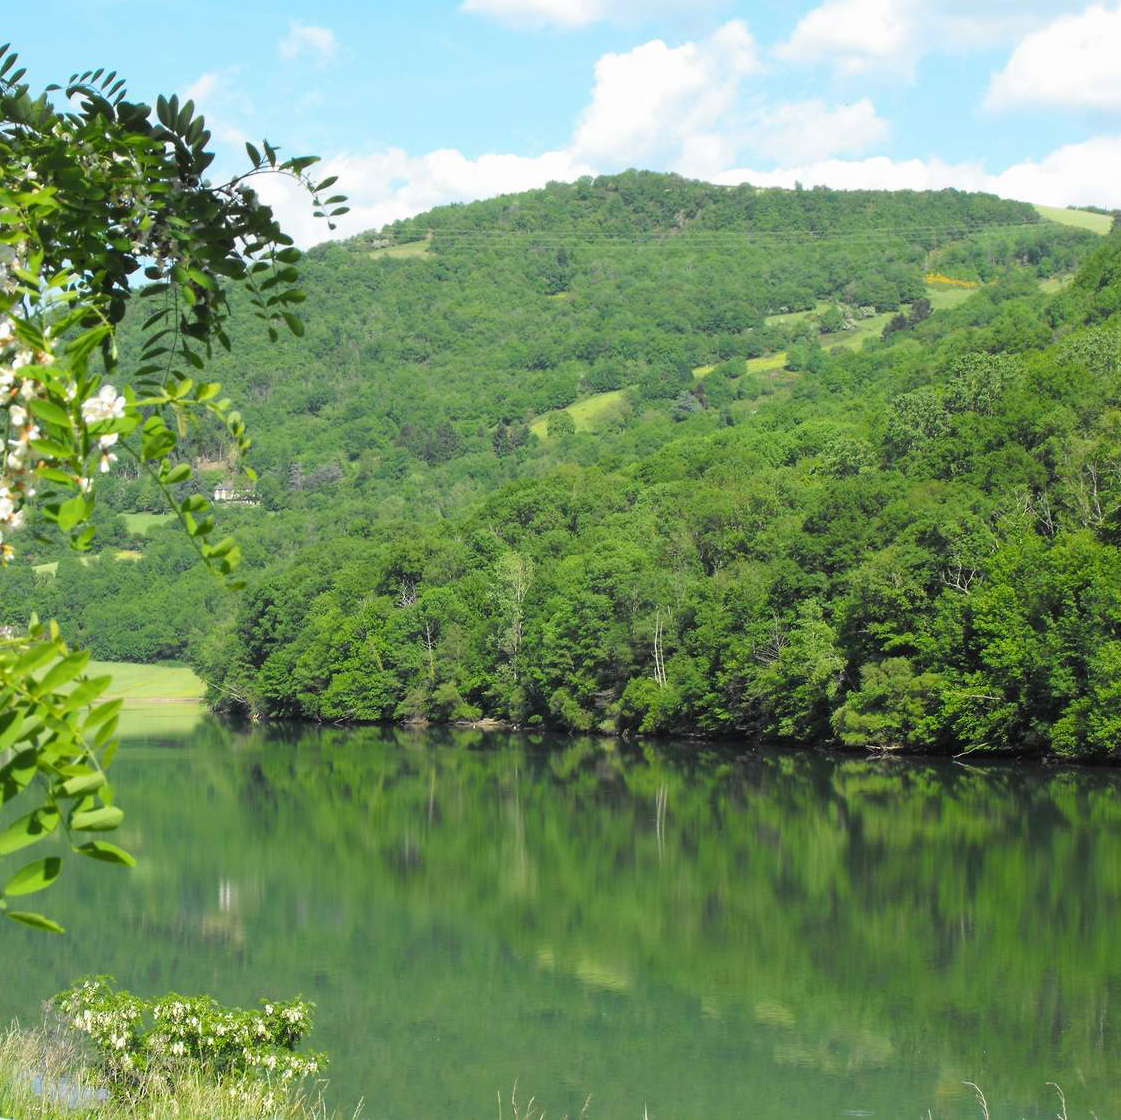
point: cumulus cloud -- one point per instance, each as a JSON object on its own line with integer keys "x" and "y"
{"x": 307, "y": 40}
{"x": 809, "y": 130}
{"x": 387, "y": 185}
{"x": 1073, "y": 175}
{"x": 862, "y": 36}
{"x": 855, "y": 35}
{"x": 687, "y": 108}
{"x": 659, "y": 103}
{"x": 1071, "y": 62}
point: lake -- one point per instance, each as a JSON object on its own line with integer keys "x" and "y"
{"x": 703, "y": 934}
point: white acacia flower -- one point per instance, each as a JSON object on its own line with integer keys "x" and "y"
{"x": 107, "y": 405}
{"x": 107, "y": 461}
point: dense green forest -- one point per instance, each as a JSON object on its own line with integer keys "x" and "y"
{"x": 643, "y": 455}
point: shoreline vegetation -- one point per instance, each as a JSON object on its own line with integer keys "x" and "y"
{"x": 43, "y": 1077}
{"x": 169, "y": 699}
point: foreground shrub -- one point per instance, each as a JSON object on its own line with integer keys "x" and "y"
{"x": 43, "y": 1077}
{"x": 140, "y": 1043}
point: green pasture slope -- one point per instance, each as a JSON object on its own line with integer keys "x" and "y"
{"x": 141, "y": 523}
{"x": 590, "y": 412}
{"x": 140, "y": 684}
{"x": 1080, "y": 219}
{"x": 159, "y": 700}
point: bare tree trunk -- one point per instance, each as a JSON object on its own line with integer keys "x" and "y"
{"x": 659, "y": 660}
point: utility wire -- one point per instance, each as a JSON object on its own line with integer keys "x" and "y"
{"x": 460, "y": 235}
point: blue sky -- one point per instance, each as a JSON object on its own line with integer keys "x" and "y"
{"x": 440, "y": 100}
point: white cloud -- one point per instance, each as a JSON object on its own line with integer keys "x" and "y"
{"x": 384, "y": 186}
{"x": 800, "y": 131}
{"x": 1073, "y": 175}
{"x": 862, "y": 36}
{"x": 576, "y": 13}
{"x": 1072, "y": 62}
{"x": 855, "y": 35}
{"x": 662, "y": 103}
{"x": 318, "y": 43}
{"x": 685, "y": 108}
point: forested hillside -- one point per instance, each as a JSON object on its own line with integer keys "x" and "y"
{"x": 642, "y": 455}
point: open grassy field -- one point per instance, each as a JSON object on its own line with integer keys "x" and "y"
{"x": 794, "y": 316}
{"x": 410, "y": 250}
{"x": 586, "y": 413}
{"x": 867, "y": 328}
{"x": 159, "y": 700}
{"x": 140, "y": 684}
{"x": 50, "y": 567}
{"x": 141, "y": 522}
{"x": 1083, "y": 219}
{"x": 1054, "y": 284}
{"x": 767, "y": 364}
{"x": 944, "y": 296}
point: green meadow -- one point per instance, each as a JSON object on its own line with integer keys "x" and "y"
{"x": 158, "y": 699}
{"x": 1080, "y": 219}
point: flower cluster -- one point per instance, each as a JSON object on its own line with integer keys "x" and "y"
{"x": 134, "y": 1036}
{"x": 20, "y": 453}
{"x": 16, "y": 462}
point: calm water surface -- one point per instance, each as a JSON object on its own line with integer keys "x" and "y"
{"x": 771, "y": 936}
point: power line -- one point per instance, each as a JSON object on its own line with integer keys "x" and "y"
{"x": 705, "y": 237}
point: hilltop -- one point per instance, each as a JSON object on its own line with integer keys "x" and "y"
{"x": 436, "y": 346}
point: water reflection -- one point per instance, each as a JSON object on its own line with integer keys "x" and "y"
{"x": 767, "y": 936}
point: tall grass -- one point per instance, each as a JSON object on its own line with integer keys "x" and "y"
{"x": 42, "y": 1077}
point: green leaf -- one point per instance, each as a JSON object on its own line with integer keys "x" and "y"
{"x": 37, "y": 655}
{"x": 86, "y": 692}
{"x": 254, "y": 155}
{"x": 11, "y": 724}
{"x": 50, "y": 412}
{"x": 29, "y": 829}
{"x": 110, "y": 853}
{"x": 34, "y": 876}
{"x": 37, "y": 921}
{"x": 179, "y": 473}
{"x": 83, "y": 783}
{"x": 17, "y": 773}
{"x": 104, "y": 819}
{"x": 295, "y": 323}
{"x": 101, "y": 713}
{"x": 65, "y": 671}
{"x": 72, "y": 512}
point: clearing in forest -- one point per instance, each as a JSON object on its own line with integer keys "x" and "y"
{"x": 1081, "y": 219}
